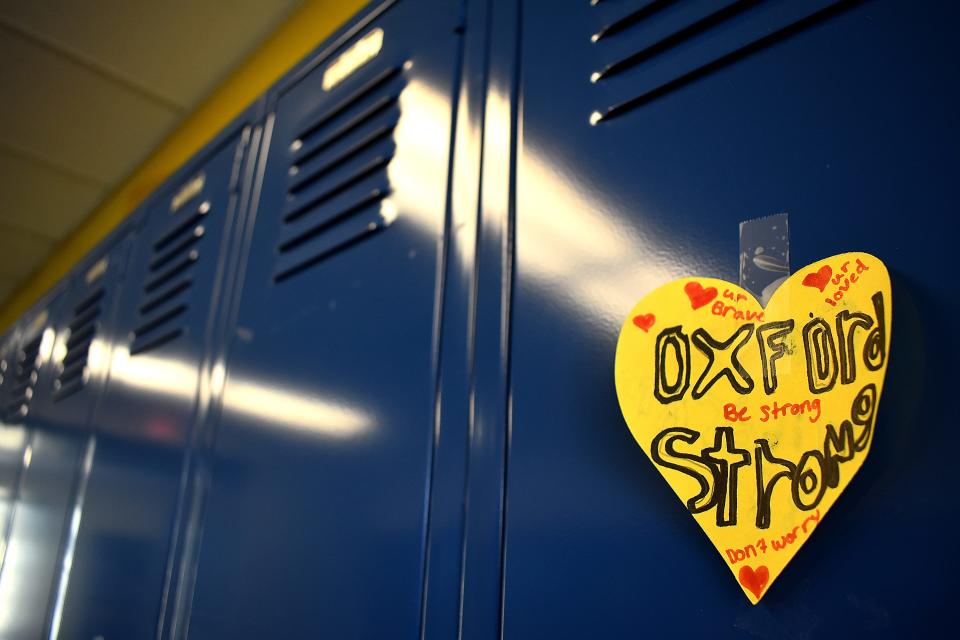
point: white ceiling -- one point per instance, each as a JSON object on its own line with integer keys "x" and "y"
{"x": 88, "y": 88}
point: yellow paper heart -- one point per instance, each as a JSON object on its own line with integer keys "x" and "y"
{"x": 758, "y": 418}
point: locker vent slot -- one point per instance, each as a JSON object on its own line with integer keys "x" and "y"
{"x": 25, "y": 373}
{"x": 163, "y": 301}
{"x": 337, "y": 175}
{"x": 666, "y": 44}
{"x": 84, "y": 325}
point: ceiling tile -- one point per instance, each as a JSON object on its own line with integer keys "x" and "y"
{"x": 7, "y": 287}
{"x": 70, "y": 116}
{"x": 39, "y": 198}
{"x": 178, "y": 49}
{"x": 21, "y": 253}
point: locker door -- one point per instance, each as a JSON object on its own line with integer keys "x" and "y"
{"x": 131, "y": 488}
{"x": 169, "y": 294}
{"x": 315, "y": 514}
{"x": 81, "y": 347}
{"x": 13, "y": 441}
{"x": 54, "y": 400}
{"x": 701, "y": 115}
{"x": 45, "y": 461}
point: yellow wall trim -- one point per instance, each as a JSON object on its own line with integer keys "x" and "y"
{"x": 301, "y": 33}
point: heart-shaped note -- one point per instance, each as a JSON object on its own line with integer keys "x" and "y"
{"x": 758, "y": 418}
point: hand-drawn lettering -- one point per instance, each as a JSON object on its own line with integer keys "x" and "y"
{"x": 821, "y": 353}
{"x": 727, "y": 461}
{"x": 875, "y": 348}
{"x": 671, "y": 339}
{"x": 828, "y": 357}
{"x": 664, "y": 453}
{"x": 716, "y": 468}
{"x": 778, "y": 410}
{"x": 732, "y": 413}
{"x": 736, "y": 374}
{"x": 771, "y": 337}
{"x": 766, "y": 485}
{"x": 847, "y": 325}
{"x": 758, "y": 415}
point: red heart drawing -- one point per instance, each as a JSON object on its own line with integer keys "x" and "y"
{"x": 698, "y": 295}
{"x": 645, "y": 321}
{"x": 754, "y": 580}
{"x": 818, "y": 279}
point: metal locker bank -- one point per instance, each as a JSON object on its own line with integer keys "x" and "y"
{"x": 353, "y": 370}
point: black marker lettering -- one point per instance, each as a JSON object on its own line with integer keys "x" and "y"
{"x": 663, "y": 452}
{"x": 821, "y": 354}
{"x": 875, "y": 349}
{"x": 847, "y": 325}
{"x": 735, "y": 373}
{"x": 727, "y": 462}
{"x": 675, "y": 340}
{"x": 771, "y": 338}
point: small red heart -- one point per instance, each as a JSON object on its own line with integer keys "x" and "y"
{"x": 644, "y": 321}
{"x": 754, "y": 580}
{"x": 698, "y": 295}
{"x": 819, "y": 279}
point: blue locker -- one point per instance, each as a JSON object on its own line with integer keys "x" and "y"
{"x": 132, "y": 485}
{"x": 84, "y": 334}
{"x": 39, "y": 469}
{"x": 349, "y": 372}
{"x": 54, "y": 379}
{"x": 8, "y": 350}
{"x": 171, "y": 290}
{"x": 642, "y": 148}
{"x": 315, "y": 514}
{"x": 13, "y": 442}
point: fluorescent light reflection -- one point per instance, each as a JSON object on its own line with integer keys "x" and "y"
{"x": 277, "y": 405}
{"x": 568, "y": 237}
{"x": 97, "y": 359}
{"x": 154, "y": 374}
{"x": 273, "y": 404}
{"x": 423, "y": 137}
{"x": 71, "y": 540}
{"x": 19, "y": 556}
{"x": 46, "y": 344}
{"x": 605, "y": 264}
{"x": 23, "y": 555}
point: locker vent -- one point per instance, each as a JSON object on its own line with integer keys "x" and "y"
{"x": 25, "y": 373}
{"x": 169, "y": 277}
{"x": 84, "y": 324}
{"x": 666, "y": 44}
{"x": 337, "y": 173}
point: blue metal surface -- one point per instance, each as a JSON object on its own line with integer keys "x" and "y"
{"x": 331, "y": 368}
{"x": 41, "y": 464}
{"x": 172, "y": 284}
{"x": 443, "y": 587}
{"x": 32, "y": 562}
{"x": 382, "y": 401}
{"x": 66, "y": 394}
{"x": 13, "y": 441}
{"x": 130, "y": 492}
{"x": 846, "y": 123}
{"x": 80, "y": 352}
{"x": 486, "y": 482}
{"x": 46, "y": 442}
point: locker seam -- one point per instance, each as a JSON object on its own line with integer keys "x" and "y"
{"x": 472, "y": 312}
{"x": 507, "y": 319}
{"x": 436, "y": 351}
